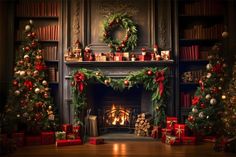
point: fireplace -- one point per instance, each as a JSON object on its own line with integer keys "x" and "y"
{"x": 116, "y": 111}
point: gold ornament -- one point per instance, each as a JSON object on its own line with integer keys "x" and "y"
{"x": 97, "y": 73}
{"x": 208, "y": 96}
{"x": 22, "y": 73}
{"x": 223, "y": 97}
{"x": 50, "y": 107}
{"x": 213, "y": 101}
{"x": 27, "y": 28}
{"x": 36, "y": 72}
{"x": 46, "y": 89}
{"x": 225, "y": 34}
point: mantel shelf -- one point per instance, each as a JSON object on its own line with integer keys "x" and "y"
{"x": 121, "y": 64}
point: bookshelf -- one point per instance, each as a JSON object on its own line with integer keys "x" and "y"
{"x": 199, "y": 26}
{"x": 46, "y": 15}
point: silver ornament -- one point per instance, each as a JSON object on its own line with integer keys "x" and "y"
{"x": 31, "y": 22}
{"x": 209, "y": 66}
{"x": 27, "y": 28}
{"x": 201, "y": 115}
{"x": 213, "y": 101}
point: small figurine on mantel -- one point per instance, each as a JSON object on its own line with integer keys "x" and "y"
{"x": 88, "y": 55}
{"x": 74, "y": 53}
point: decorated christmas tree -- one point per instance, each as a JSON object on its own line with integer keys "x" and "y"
{"x": 207, "y": 105}
{"x": 29, "y": 106}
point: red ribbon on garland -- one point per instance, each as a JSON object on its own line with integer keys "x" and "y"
{"x": 79, "y": 78}
{"x": 160, "y": 77}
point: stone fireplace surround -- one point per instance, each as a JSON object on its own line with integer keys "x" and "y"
{"x": 116, "y": 70}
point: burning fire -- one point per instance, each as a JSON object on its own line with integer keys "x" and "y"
{"x": 119, "y": 116}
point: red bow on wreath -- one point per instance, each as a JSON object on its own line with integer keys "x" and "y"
{"x": 79, "y": 78}
{"x": 28, "y": 84}
{"x": 160, "y": 79}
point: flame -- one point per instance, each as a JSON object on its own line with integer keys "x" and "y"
{"x": 118, "y": 115}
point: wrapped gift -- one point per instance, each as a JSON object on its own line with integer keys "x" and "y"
{"x": 71, "y": 136}
{"x": 164, "y": 133}
{"x": 47, "y": 138}
{"x": 180, "y": 130}
{"x": 117, "y": 58}
{"x": 96, "y": 140}
{"x": 170, "y": 122}
{"x": 60, "y": 135}
{"x": 126, "y": 56}
{"x": 156, "y": 132}
{"x": 60, "y": 143}
{"x": 172, "y": 140}
{"x": 18, "y": 138}
{"x": 67, "y": 128}
{"x": 32, "y": 140}
{"x": 189, "y": 140}
{"x": 165, "y": 55}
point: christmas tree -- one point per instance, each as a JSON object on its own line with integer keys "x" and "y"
{"x": 207, "y": 105}
{"x": 29, "y": 106}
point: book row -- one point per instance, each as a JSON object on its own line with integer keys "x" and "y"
{"x": 192, "y": 53}
{"x": 37, "y": 8}
{"x": 202, "y": 32}
{"x": 185, "y": 99}
{"x": 50, "y": 53}
{"x": 53, "y": 74}
{"x": 202, "y": 8}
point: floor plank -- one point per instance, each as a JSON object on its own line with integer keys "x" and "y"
{"x": 121, "y": 148}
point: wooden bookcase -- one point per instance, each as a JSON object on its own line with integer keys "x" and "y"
{"x": 200, "y": 25}
{"x": 46, "y": 16}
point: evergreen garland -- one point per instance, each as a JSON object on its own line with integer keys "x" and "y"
{"x": 122, "y": 21}
{"x": 153, "y": 80}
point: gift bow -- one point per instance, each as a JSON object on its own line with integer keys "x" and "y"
{"x": 179, "y": 131}
{"x": 61, "y": 135}
{"x": 160, "y": 77}
{"x": 170, "y": 140}
{"x": 79, "y": 78}
{"x": 171, "y": 122}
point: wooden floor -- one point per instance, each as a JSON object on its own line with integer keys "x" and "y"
{"x": 121, "y": 148}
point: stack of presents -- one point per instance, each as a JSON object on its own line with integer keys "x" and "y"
{"x": 69, "y": 135}
{"x": 174, "y": 133}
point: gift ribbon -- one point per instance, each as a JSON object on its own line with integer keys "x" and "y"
{"x": 171, "y": 123}
{"x": 179, "y": 131}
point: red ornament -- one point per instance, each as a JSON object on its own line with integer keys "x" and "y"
{"x": 21, "y": 62}
{"x": 39, "y": 66}
{"x": 149, "y": 72}
{"x": 27, "y": 48}
{"x": 28, "y": 84}
{"x": 190, "y": 118}
{"x": 33, "y": 44}
{"x": 203, "y": 106}
{"x": 195, "y": 100}
{"x": 126, "y": 82}
{"x": 46, "y": 95}
{"x": 33, "y": 34}
{"x": 15, "y": 83}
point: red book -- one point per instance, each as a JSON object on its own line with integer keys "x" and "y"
{"x": 32, "y": 140}
{"x": 47, "y": 138}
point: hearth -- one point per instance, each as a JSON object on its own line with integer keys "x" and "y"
{"x": 116, "y": 111}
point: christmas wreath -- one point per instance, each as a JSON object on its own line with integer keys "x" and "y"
{"x": 120, "y": 21}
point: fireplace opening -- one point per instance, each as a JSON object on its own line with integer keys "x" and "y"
{"x": 117, "y": 111}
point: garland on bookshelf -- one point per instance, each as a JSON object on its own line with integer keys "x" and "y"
{"x": 53, "y": 74}
{"x": 37, "y": 8}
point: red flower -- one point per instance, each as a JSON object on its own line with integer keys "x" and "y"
{"x": 79, "y": 78}
{"x": 159, "y": 80}
{"x": 195, "y": 100}
{"x": 39, "y": 66}
{"x": 28, "y": 84}
{"x": 217, "y": 68}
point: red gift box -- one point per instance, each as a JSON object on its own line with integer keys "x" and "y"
{"x": 67, "y": 128}
{"x": 180, "y": 130}
{"x": 60, "y": 143}
{"x": 96, "y": 140}
{"x": 189, "y": 140}
{"x": 170, "y": 122}
{"x": 18, "y": 138}
{"x": 164, "y": 132}
{"x": 32, "y": 140}
{"x": 156, "y": 132}
{"x": 172, "y": 140}
{"x": 47, "y": 138}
